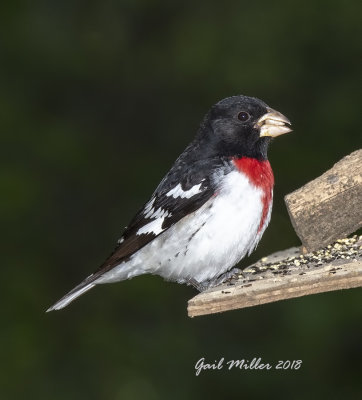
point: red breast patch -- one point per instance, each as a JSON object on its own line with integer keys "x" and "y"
{"x": 260, "y": 175}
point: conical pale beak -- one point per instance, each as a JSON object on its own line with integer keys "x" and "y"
{"x": 273, "y": 124}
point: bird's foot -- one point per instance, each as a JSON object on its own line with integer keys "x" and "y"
{"x": 223, "y": 277}
{"x": 202, "y": 286}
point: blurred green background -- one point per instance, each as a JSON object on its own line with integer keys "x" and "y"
{"x": 97, "y": 100}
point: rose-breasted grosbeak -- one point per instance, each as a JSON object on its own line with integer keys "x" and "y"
{"x": 211, "y": 208}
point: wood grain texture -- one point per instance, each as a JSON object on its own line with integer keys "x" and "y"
{"x": 330, "y": 206}
{"x": 282, "y": 276}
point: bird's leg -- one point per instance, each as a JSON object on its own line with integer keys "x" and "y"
{"x": 202, "y": 286}
{"x": 222, "y": 278}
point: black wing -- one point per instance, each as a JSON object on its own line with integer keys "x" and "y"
{"x": 173, "y": 199}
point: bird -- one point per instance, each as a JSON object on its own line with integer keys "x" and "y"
{"x": 209, "y": 211}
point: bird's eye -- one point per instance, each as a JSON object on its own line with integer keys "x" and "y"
{"x": 243, "y": 116}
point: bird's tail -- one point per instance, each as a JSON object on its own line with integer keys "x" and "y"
{"x": 99, "y": 277}
{"x": 83, "y": 287}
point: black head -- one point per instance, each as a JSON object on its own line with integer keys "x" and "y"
{"x": 241, "y": 126}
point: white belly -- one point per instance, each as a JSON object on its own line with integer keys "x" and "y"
{"x": 206, "y": 243}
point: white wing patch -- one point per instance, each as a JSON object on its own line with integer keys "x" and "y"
{"x": 177, "y": 191}
{"x": 159, "y": 213}
{"x": 149, "y": 206}
{"x": 150, "y": 212}
{"x": 154, "y": 227}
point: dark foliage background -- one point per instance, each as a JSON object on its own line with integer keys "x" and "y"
{"x": 97, "y": 100}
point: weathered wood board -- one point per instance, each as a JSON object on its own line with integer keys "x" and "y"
{"x": 330, "y": 206}
{"x": 286, "y": 275}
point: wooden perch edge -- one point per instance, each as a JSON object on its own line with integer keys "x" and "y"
{"x": 321, "y": 211}
{"x": 285, "y": 275}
